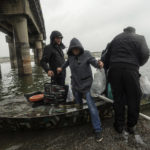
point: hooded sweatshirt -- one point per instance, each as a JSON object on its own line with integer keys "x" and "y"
{"x": 81, "y": 73}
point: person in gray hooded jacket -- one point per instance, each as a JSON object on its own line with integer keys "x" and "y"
{"x": 79, "y": 62}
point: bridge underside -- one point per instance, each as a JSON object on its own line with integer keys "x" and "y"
{"x": 23, "y": 22}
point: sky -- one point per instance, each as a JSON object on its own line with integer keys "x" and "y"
{"x": 93, "y": 22}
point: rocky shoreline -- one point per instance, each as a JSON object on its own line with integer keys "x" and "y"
{"x": 78, "y": 138}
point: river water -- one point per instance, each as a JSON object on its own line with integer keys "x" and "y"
{"x": 12, "y": 86}
{"x": 71, "y": 138}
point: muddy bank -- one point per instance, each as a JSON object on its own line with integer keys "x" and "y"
{"x": 77, "y": 138}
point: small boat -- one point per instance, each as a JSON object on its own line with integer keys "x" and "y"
{"x": 51, "y": 117}
{"x": 18, "y": 114}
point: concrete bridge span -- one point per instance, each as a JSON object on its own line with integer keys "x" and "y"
{"x": 22, "y": 22}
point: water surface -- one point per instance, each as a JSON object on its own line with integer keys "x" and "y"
{"x": 11, "y": 85}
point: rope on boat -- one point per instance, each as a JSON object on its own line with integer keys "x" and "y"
{"x": 111, "y": 101}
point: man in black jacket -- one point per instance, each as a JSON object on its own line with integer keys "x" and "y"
{"x": 53, "y": 57}
{"x": 126, "y": 53}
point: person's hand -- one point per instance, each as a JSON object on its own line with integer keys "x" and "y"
{"x": 59, "y": 70}
{"x": 50, "y": 73}
{"x": 101, "y": 64}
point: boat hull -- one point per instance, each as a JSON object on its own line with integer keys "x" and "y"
{"x": 71, "y": 117}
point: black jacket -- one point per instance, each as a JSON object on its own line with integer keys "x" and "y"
{"x": 53, "y": 56}
{"x": 127, "y": 48}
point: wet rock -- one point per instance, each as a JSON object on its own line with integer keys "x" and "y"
{"x": 77, "y": 138}
{"x": 139, "y": 140}
{"x": 14, "y": 147}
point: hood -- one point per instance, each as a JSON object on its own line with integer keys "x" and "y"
{"x": 75, "y": 43}
{"x": 55, "y": 34}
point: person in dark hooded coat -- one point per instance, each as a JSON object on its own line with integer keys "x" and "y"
{"x": 53, "y": 57}
{"x": 79, "y": 62}
{"x": 125, "y": 54}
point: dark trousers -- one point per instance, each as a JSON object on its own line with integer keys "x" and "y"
{"x": 59, "y": 79}
{"x": 124, "y": 80}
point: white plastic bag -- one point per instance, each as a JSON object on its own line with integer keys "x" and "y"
{"x": 99, "y": 83}
{"x": 70, "y": 94}
{"x": 145, "y": 85}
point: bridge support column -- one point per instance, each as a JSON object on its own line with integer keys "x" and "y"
{"x": 38, "y": 52}
{"x": 22, "y": 45}
{"x": 0, "y": 72}
{"x": 35, "y": 56}
{"x": 12, "y": 52}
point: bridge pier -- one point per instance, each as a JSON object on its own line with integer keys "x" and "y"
{"x": 35, "y": 56}
{"x": 22, "y": 45}
{"x": 23, "y": 20}
{"x": 12, "y": 52}
{"x": 0, "y": 72}
{"x": 38, "y": 52}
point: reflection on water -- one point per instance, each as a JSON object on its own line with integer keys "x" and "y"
{"x": 11, "y": 85}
